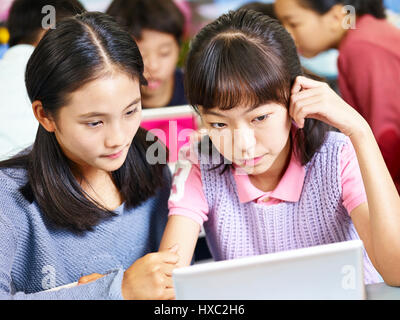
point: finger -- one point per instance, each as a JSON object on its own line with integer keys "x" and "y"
{"x": 90, "y": 278}
{"x": 169, "y": 294}
{"x": 304, "y": 94}
{"x": 306, "y": 110}
{"x": 305, "y": 83}
{"x": 168, "y": 282}
{"x": 168, "y": 268}
{"x": 296, "y": 106}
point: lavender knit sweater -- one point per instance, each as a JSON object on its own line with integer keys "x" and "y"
{"x": 236, "y": 229}
{"x": 35, "y": 256}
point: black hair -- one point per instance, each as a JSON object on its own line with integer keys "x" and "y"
{"x": 159, "y": 15}
{"x": 81, "y": 49}
{"x": 265, "y": 8}
{"x": 25, "y": 18}
{"x": 375, "y": 8}
{"x": 247, "y": 58}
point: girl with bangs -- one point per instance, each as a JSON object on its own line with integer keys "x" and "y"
{"x": 269, "y": 174}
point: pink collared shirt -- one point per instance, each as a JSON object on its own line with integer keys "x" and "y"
{"x": 188, "y": 199}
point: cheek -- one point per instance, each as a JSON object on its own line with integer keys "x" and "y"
{"x": 274, "y": 138}
{"x": 223, "y": 142}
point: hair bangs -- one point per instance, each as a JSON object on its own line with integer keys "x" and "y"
{"x": 233, "y": 75}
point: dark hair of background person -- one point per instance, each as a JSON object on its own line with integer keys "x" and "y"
{"x": 265, "y": 8}
{"x": 268, "y": 9}
{"x": 67, "y": 58}
{"x": 159, "y": 15}
{"x": 362, "y": 7}
{"x": 245, "y": 58}
{"x": 25, "y": 18}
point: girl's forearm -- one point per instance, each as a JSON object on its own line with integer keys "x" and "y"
{"x": 184, "y": 232}
{"x": 383, "y": 201}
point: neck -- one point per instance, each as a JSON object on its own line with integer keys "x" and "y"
{"x": 99, "y": 186}
{"x": 268, "y": 180}
{"x": 341, "y": 36}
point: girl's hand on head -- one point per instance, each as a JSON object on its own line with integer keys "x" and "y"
{"x": 150, "y": 277}
{"x": 314, "y": 99}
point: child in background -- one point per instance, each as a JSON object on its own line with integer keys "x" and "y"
{"x": 265, "y": 8}
{"x": 273, "y": 177}
{"x": 18, "y": 125}
{"x": 368, "y": 63}
{"x": 84, "y": 199}
{"x": 157, "y": 26}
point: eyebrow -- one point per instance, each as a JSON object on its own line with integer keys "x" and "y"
{"x": 210, "y": 112}
{"x": 99, "y": 114}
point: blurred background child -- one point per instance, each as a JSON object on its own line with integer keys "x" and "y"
{"x": 368, "y": 63}
{"x": 158, "y": 28}
{"x": 18, "y": 125}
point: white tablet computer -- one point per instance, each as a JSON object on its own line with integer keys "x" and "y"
{"x": 333, "y": 271}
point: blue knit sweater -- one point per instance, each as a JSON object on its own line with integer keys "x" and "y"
{"x": 34, "y": 256}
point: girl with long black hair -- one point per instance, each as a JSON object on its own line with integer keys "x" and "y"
{"x": 84, "y": 198}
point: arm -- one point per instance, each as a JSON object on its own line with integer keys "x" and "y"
{"x": 378, "y": 222}
{"x": 184, "y": 232}
{"x": 188, "y": 208}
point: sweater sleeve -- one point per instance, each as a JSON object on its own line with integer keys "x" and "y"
{"x": 106, "y": 288}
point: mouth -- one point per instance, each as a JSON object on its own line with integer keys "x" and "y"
{"x": 250, "y": 162}
{"x": 114, "y": 155}
{"x": 153, "y": 84}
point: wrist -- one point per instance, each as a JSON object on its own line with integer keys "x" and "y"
{"x": 360, "y": 132}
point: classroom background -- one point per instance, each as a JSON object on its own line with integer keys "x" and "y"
{"x": 199, "y": 12}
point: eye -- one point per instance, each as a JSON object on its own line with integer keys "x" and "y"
{"x": 94, "y": 124}
{"x": 218, "y": 125}
{"x": 131, "y": 112}
{"x": 293, "y": 25}
{"x": 261, "y": 118}
{"x": 165, "y": 53}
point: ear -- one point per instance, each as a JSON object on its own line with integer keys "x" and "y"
{"x": 336, "y": 15}
{"x": 44, "y": 119}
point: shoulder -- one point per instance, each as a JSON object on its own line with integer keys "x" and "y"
{"x": 334, "y": 139}
{"x": 14, "y": 207}
{"x": 179, "y": 75}
{"x": 372, "y": 39}
{"x": 12, "y": 178}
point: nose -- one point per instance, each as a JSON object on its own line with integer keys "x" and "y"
{"x": 115, "y": 136}
{"x": 151, "y": 63}
{"x": 244, "y": 143}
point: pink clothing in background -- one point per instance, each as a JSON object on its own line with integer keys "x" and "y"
{"x": 369, "y": 80}
{"x": 188, "y": 199}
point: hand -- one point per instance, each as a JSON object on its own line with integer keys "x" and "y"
{"x": 90, "y": 278}
{"x": 150, "y": 277}
{"x": 314, "y": 99}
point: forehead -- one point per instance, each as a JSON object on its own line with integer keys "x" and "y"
{"x": 155, "y": 39}
{"x": 105, "y": 94}
{"x": 291, "y": 9}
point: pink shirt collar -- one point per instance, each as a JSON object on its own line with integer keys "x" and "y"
{"x": 288, "y": 189}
